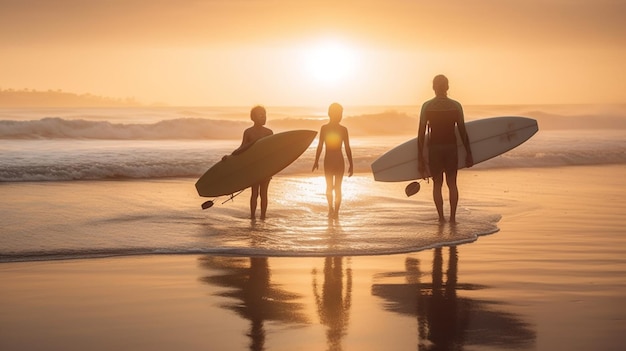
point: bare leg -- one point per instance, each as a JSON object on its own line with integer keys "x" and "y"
{"x": 329, "y": 194}
{"x": 437, "y": 195}
{"x": 253, "y": 200}
{"x": 454, "y": 195}
{"x": 338, "y": 182}
{"x": 263, "y": 190}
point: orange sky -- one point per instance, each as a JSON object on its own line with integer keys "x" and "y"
{"x": 244, "y": 52}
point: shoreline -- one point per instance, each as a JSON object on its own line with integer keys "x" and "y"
{"x": 551, "y": 278}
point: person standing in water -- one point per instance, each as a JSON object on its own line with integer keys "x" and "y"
{"x": 258, "y": 115}
{"x": 441, "y": 114}
{"x": 334, "y": 136}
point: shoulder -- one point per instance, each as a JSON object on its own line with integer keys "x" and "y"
{"x": 441, "y": 104}
{"x": 434, "y": 104}
{"x": 455, "y": 104}
{"x": 426, "y": 104}
{"x": 248, "y": 132}
{"x": 458, "y": 104}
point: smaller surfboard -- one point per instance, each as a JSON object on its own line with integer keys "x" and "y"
{"x": 266, "y": 157}
{"x": 488, "y": 138}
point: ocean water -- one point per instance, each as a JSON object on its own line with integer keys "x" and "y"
{"x": 102, "y": 182}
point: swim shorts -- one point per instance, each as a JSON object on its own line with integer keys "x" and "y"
{"x": 443, "y": 158}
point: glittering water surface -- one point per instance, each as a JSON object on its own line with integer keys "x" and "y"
{"x": 96, "y": 218}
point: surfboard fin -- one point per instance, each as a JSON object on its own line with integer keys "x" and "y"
{"x": 207, "y": 204}
{"x": 412, "y": 189}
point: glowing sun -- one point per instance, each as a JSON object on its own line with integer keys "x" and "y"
{"x": 330, "y": 61}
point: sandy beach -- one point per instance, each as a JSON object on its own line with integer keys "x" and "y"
{"x": 112, "y": 111}
{"x": 553, "y": 277}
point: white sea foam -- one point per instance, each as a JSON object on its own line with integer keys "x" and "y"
{"x": 164, "y": 217}
{"x": 92, "y": 144}
{"x": 228, "y": 123}
{"x": 66, "y": 160}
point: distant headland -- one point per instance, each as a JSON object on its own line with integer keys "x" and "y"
{"x": 59, "y": 98}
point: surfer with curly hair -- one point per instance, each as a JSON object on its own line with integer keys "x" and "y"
{"x": 441, "y": 115}
{"x": 258, "y": 115}
{"x": 333, "y": 135}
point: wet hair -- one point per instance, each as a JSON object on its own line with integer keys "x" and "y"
{"x": 256, "y": 110}
{"x": 440, "y": 83}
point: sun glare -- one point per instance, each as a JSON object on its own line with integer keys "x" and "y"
{"x": 330, "y": 62}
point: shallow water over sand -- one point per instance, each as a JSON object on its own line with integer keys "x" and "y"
{"x": 551, "y": 278}
{"x": 104, "y": 218}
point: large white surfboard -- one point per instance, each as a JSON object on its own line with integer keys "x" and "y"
{"x": 266, "y": 157}
{"x": 488, "y": 138}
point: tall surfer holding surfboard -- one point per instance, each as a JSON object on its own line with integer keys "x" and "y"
{"x": 258, "y": 115}
{"x": 441, "y": 115}
{"x": 334, "y": 136}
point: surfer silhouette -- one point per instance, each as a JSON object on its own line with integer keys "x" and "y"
{"x": 441, "y": 114}
{"x": 334, "y": 136}
{"x": 258, "y": 115}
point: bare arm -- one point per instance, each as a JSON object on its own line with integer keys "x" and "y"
{"x": 421, "y": 136}
{"x": 469, "y": 159}
{"x": 320, "y": 145}
{"x": 245, "y": 143}
{"x": 346, "y": 142}
{"x": 250, "y": 136}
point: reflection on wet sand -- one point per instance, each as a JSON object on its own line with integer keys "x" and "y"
{"x": 333, "y": 304}
{"x": 446, "y": 321}
{"x": 257, "y": 299}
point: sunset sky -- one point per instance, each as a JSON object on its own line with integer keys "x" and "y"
{"x": 305, "y": 53}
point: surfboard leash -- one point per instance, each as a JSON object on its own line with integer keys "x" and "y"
{"x": 210, "y": 203}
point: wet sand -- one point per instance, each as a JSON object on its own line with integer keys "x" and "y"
{"x": 553, "y": 277}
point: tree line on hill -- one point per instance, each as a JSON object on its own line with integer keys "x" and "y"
{"x": 59, "y": 98}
